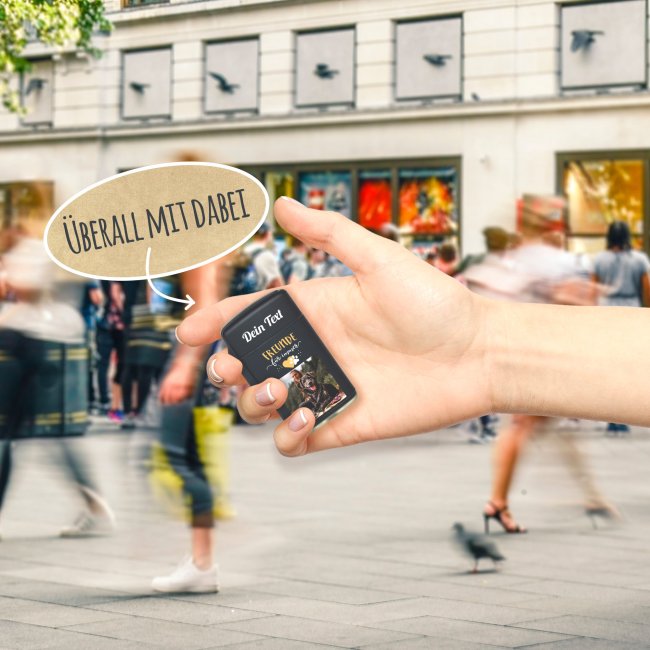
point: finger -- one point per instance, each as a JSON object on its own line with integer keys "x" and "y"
{"x": 257, "y": 403}
{"x": 292, "y": 435}
{"x": 224, "y": 370}
{"x": 358, "y": 248}
{"x": 205, "y": 325}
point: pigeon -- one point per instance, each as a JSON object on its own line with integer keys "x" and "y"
{"x": 224, "y": 85}
{"x": 476, "y": 546}
{"x": 323, "y": 71}
{"x": 436, "y": 59}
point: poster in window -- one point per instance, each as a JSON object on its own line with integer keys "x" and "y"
{"x": 326, "y": 191}
{"x": 427, "y": 200}
{"x": 375, "y": 198}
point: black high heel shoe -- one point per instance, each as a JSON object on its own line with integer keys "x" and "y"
{"x": 498, "y": 515}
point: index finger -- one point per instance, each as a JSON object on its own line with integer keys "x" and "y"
{"x": 359, "y": 249}
{"x": 205, "y": 325}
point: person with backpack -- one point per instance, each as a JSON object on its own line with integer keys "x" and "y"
{"x": 263, "y": 260}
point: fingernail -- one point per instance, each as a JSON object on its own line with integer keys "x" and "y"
{"x": 297, "y": 421}
{"x": 213, "y": 374}
{"x": 178, "y": 338}
{"x": 264, "y": 396}
{"x": 288, "y": 198}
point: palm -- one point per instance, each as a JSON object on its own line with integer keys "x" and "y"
{"x": 397, "y": 332}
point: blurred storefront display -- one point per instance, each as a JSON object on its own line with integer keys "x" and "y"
{"x": 419, "y": 197}
{"x": 601, "y": 188}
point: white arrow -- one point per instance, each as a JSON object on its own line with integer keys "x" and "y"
{"x": 188, "y": 303}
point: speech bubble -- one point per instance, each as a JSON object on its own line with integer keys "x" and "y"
{"x": 188, "y": 214}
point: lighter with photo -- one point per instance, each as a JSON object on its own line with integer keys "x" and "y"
{"x": 272, "y": 338}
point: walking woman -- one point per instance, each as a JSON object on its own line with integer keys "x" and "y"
{"x": 625, "y": 272}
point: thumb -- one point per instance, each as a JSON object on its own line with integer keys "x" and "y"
{"x": 358, "y": 248}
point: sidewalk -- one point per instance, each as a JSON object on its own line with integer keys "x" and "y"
{"x": 347, "y": 549}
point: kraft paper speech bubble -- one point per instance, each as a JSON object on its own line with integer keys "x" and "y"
{"x": 188, "y": 213}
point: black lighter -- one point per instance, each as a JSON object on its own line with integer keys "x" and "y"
{"x": 272, "y": 338}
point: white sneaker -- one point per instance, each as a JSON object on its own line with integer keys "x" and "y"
{"x": 188, "y": 578}
{"x": 99, "y": 522}
{"x": 88, "y": 524}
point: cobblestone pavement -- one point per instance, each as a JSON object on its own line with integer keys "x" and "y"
{"x": 347, "y": 549}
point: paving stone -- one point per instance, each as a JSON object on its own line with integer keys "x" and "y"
{"x": 586, "y": 643}
{"x": 593, "y": 627}
{"x": 46, "y": 614}
{"x": 176, "y": 610}
{"x": 164, "y": 634}
{"x": 508, "y": 637}
{"x": 333, "y": 593}
{"x": 279, "y": 644}
{"x": 429, "y": 642}
{"x": 302, "y": 629}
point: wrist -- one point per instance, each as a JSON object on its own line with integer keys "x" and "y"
{"x": 502, "y": 322}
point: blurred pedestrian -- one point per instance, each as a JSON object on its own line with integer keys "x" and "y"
{"x": 180, "y": 389}
{"x": 90, "y": 304}
{"x": 539, "y": 270}
{"x": 110, "y": 349}
{"x": 296, "y": 266}
{"x": 625, "y": 274}
{"x": 32, "y": 328}
{"x": 262, "y": 257}
{"x": 446, "y": 260}
{"x": 147, "y": 345}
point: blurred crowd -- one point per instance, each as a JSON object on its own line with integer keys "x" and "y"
{"x": 131, "y": 370}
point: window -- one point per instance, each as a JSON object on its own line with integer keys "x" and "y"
{"x": 603, "y": 44}
{"x": 231, "y": 76}
{"x": 375, "y": 198}
{"x": 326, "y": 191}
{"x": 600, "y": 190}
{"x": 36, "y": 92}
{"x": 428, "y": 59}
{"x": 139, "y": 3}
{"x": 419, "y": 197}
{"x": 325, "y": 68}
{"x": 146, "y": 83}
{"x": 427, "y": 200}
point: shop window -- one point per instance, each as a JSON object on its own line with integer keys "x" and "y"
{"x": 36, "y": 91}
{"x": 231, "y": 76}
{"x": 375, "y": 202}
{"x": 146, "y": 83}
{"x": 139, "y": 3}
{"x": 599, "y": 192}
{"x": 326, "y": 191}
{"x": 429, "y": 59}
{"x": 603, "y": 44}
{"x": 325, "y": 68}
{"x": 428, "y": 200}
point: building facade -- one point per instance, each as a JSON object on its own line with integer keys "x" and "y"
{"x": 436, "y": 115}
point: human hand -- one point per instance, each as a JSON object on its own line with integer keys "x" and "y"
{"x": 178, "y": 383}
{"x": 410, "y": 339}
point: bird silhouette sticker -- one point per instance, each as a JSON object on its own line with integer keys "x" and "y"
{"x": 223, "y": 84}
{"x": 437, "y": 60}
{"x": 323, "y": 71}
